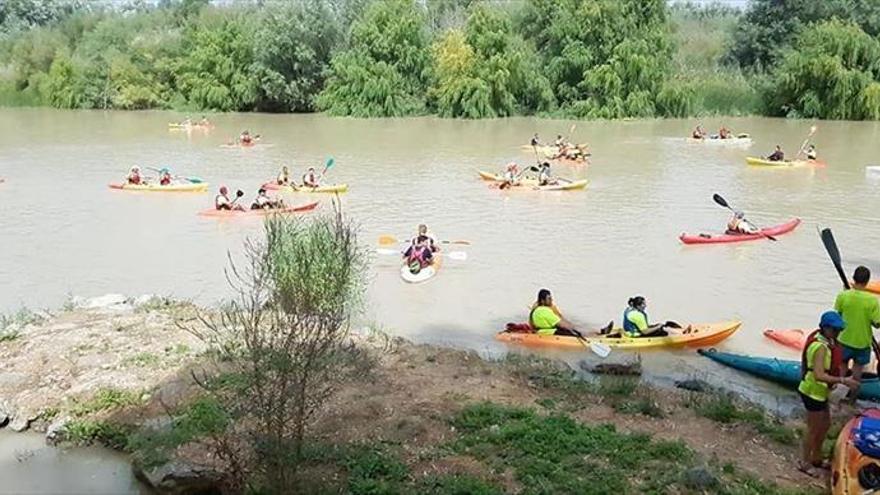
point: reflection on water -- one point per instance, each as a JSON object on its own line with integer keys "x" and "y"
{"x": 64, "y": 232}
{"x": 27, "y": 465}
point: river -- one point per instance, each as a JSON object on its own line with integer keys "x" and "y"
{"x": 64, "y": 232}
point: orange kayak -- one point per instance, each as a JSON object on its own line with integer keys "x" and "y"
{"x": 703, "y": 335}
{"x": 211, "y": 212}
{"x": 855, "y": 465}
{"x": 795, "y": 338}
{"x": 874, "y": 286}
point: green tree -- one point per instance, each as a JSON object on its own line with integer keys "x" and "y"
{"x": 830, "y": 72}
{"x": 384, "y": 70}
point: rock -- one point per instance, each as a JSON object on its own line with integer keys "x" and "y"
{"x": 57, "y": 430}
{"x": 621, "y": 366}
{"x": 145, "y": 299}
{"x": 105, "y": 301}
{"x": 179, "y": 478}
{"x": 700, "y": 479}
{"x": 20, "y": 422}
{"x": 693, "y": 385}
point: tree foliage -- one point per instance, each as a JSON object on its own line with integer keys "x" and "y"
{"x": 384, "y": 70}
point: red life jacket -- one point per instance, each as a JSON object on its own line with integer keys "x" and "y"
{"x": 836, "y": 356}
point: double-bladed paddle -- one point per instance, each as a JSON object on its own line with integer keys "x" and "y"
{"x": 834, "y": 254}
{"x": 722, "y": 202}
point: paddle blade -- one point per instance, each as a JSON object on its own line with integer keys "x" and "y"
{"x": 239, "y": 193}
{"x": 387, "y": 239}
{"x": 600, "y": 349}
{"x": 387, "y": 251}
{"x": 330, "y": 163}
{"x": 458, "y": 255}
{"x": 195, "y": 180}
{"x": 834, "y": 254}
{"x": 720, "y": 200}
{"x": 463, "y": 243}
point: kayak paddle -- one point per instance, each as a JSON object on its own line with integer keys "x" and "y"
{"x": 834, "y": 254}
{"x": 455, "y": 255}
{"x": 390, "y": 239}
{"x": 722, "y": 202}
{"x": 804, "y": 145}
{"x": 193, "y": 180}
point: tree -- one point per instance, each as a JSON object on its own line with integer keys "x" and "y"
{"x": 384, "y": 70}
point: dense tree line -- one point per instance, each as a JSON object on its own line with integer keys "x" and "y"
{"x": 454, "y": 58}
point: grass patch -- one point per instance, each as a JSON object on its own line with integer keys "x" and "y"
{"x": 106, "y": 399}
{"x": 549, "y": 375}
{"x": 142, "y": 359}
{"x": 722, "y": 408}
{"x": 87, "y": 431}
{"x": 10, "y": 323}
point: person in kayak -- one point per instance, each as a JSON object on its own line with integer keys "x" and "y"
{"x": 264, "y": 202}
{"x": 699, "y": 132}
{"x": 814, "y": 389}
{"x": 511, "y": 176}
{"x": 420, "y": 252}
{"x": 134, "y": 176}
{"x": 165, "y": 177}
{"x": 283, "y": 178}
{"x": 739, "y": 225}
{"x": 246, "y": 139}
{"x": 635, "y": 321}
{"x": 724, "y": 133}
{"x": 778, "y": 155}
{"x": 812, "y": 154}
{"x": 546, "y": 319}
{"x": 544, "y": 176}
{"x": 310, "y": 178}
{"x": 222, "y": 201}
{"x": 860, "y": 311}
{"x": 535, "y": 141}
{"x": 560, "y": 142}
{"x": 204, "y": 122}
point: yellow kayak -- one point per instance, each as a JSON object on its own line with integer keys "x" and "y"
{"x": 533, "y": 183}
{"x": 185, "y": 187}
{"x": 335, "y": 188}
{"x": 565, "y": 186}
{"x": 763, "y": 162}
{"x": 525, "y": 181}
{"x": 702, "y": 335}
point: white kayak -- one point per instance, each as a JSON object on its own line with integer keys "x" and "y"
{"x": 424, "y": 274}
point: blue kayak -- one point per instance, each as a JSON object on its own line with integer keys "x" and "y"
{"x": 782, "y": 371}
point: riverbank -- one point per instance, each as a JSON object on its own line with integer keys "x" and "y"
{"x": 118, "y": 371}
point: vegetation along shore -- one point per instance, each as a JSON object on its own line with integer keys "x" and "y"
{"x": 453, "y": 58}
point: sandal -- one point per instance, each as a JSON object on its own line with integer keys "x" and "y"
{"x": 807, "y": 469}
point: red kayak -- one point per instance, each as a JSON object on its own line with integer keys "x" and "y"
{"x": 720, "y": 238}
{"x": 790, "y": 338}
{"x": 256, "y": 213}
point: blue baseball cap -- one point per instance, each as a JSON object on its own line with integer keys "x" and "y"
{"x": 832, "y": 319}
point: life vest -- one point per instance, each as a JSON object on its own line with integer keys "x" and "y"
{"x": 810, "y": 386}
{"x": 629, "y": 327}
{"x": 836, "y": 355}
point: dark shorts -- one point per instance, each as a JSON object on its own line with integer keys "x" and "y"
{"x": 860, "y": 356}
{"x": 813, "y": 405}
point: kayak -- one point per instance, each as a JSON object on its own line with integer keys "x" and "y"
{"x": 525, "y": 181}
{"x": 856, "y": 462}
{"x": 782, "y": 371}
{"x": 571, "y": 161}
{"x": 211, "y": 212}
{"x": 335, "y": 188}
{"x": 795, "y": 338}
{"x": 184, "y": 187}
{"x": 762, "y": 162}
{"x": 722, "y": 238}
{"x": 177, "y": 125}
{"x": 565, "y": 186}
{"x": 741, "y": 139}
{"x": 701, "y": 336}
{"x": 873, "y": 286}
{"x": 424, "y": 274}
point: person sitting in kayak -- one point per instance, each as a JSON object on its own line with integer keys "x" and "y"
{"x": 546, "y": 319}
{"x": 739, "y": 225}
{"x": 204, "y": 122}
{"x": 777, "y": 155}
{"x": 560, "y": 142}
{"x": 511, "y": 176}
{"x": 422, "y": 235}
{"x": 420, "y": 252}
{"x": 544, "y": 176}
{"x": 535, "y": 141}
{"x": 699, "y": 132}
{"x": 222, "y": 201}
{"x": 635, "y": 321}
{"x": 134, "y": 176}
{"x": 310, "y": 178}
{"x": 283, "y": 178}
{"x": 264, "y": 202}
{"x": 246, "y": 138}
{"x": 165, "y": 177}
{"x": 812, "y": 154}
{"x": 724, "y": 133}
{"x": 817, "y": 379}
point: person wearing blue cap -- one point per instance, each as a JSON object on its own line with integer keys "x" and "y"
{"x": 815, "y": 386}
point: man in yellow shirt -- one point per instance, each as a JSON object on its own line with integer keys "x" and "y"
{"x": 545, "y": 317}
{"x": 861, "y": 311}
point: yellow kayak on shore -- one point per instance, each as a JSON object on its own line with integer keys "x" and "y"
{"x": 701, "y": 335}
{"x": 185, "y": 187}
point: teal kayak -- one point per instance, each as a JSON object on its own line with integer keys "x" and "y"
{"x": 782, "y": 371}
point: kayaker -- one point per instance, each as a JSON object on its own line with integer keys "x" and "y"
{"x": 310, "y": 178}
{"x": 511, "y": 176}
{"x": 777, "y": 155}
{"x": 544, "y": 176}
{"x": 263, "y": 201}
{"x": 222, "y": 201}
{"x": 134, "y": 176}
{"x": 245, "y": 138}
{"x": 814, "y": 389}
{"x": 546, "y": 319}
{"x": 724, "y": 133}
{"x": 283, "y": 178}
{"x": 739, "y": 225}
{"x": 165, "y": 177}
{"x": 635, "y": 321}
{"x": 420, "y": 252}
{"x": 812, "y": 154}
{"x": 861, "y": 311}
{"x": 560, "y": 142}
{"x": 699, "y": 132}
{"x": 535, "y": 141}
{"x": 204, "y": 122}
{"x": 423, "y": 236}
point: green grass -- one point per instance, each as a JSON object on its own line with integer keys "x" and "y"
{"x": 720, "y": 407}
{"x": 106, "y": 399}
{"x": 142, "y": 359}
{"x": 87, "y": 431}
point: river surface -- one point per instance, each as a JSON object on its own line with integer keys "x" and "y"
{"x": 64, "y": 232}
